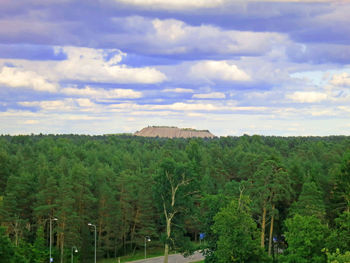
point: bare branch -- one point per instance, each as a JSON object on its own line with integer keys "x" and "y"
{"x": 174, "y": 190}
{"x": 165, "y": 212}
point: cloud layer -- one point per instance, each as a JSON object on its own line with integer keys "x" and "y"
{"x": 232, "y": 67}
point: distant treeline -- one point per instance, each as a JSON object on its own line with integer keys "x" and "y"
{"x": 256, "y": 198}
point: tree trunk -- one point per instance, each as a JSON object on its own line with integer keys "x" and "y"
{"x": 263, "y": 222}
{"x": 124, "y": 243}
{"x": 115, "y": 247}
{"x": 166, "y": 253}
{"x": 271, "y": 229}
{"x": 169, "y": 215}
{"x": 62, "y": 247}
{"x": 168, "y": 232}
{"x": 16, "y": 230}
{"x": 63, "y": 227}
{"x": 133, "y": 230}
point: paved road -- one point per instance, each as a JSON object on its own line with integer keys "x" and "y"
{"x": 175, "y": 258}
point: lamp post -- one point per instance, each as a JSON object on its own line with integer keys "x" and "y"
{"x": 75, "y": 250}
{"x": 95, "y": 237}
{"x": 54, "y": 219}
{"x": 147, "y": 238}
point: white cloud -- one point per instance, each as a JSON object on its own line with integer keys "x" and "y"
{"x": 344, "y": 108}
{"x": 84, "y": 103}
{"x": 218, "y": 70}
{"x": 173, "y": 4}
{"x": 324, "y": 112}
{"x": 171, "y": 30}
{"x": 342, "y": 79}
{"x": 195, "y": 114}
{"x": 82, "y": 64}
{"x": 212, "y": 95}
{"x": 181, "y": 5}
{"x": 99, "y": 93}
{"x": 183, "y": 107}
{"x": 298, "y": 1}
{"x": 171, "y": 36}
{"x": 178, "y": 90}
{"x": 307, "y": 96}
{"x": 30, "y": 122}
{"x": 19, "y": 78}
{"x": 154, "y": 113}
{"x": 98, "y": 65}
{"x": 66, "y": 105}
{"x": 178, "y": 106}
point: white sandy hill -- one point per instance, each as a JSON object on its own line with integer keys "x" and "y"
{"x": 173, "y": 132}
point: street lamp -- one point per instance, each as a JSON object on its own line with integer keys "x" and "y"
{"x": 74, "y": 249}
{"x": 95, "y": 237}
{"x": 54, "y": 219}
{"x": 147, "y": 238}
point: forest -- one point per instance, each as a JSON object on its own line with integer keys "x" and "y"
{"x": 249, "y": 198}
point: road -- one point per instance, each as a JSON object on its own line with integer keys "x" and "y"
{"x": 175, "y": 258}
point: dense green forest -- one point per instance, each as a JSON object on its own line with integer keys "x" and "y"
{"x": 254, "y": 198}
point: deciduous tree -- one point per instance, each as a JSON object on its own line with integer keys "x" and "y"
{"x": 238, "y": 236}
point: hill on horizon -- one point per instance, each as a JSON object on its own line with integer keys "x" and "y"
{"x": 173, "y": 132}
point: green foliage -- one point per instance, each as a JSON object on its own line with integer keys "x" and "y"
{"x": 310, "y": 202}
{"x": 238, "y": 237}
{"x": 117, "y": 183}
{"x": 305, "y": 236}
{"x": 40, "y": 251}
{"x": 271, "y": 183}
{"x": 5, "y": 169}
{"x": 337, "y": 257}
{"x": 342, "y": 184}
{"x": 174, "y": 191}
{"x": 7, "y": 251}
{"x": 340, "y": 236}
{"x": 210, "y": 206}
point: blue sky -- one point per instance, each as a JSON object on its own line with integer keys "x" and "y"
{"x": 278, "y": 67}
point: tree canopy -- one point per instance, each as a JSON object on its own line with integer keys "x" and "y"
{"x": 286, "y": 198}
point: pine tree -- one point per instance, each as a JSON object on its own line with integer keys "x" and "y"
{"x": 40, "y": 251}
{"x": 270, "y": 185}
{"x": 340, "y": 235}
{"x": 310, "y": 202}
{"x": 7, "y": 251}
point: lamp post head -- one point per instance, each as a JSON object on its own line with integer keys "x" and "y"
{"x": 89, "y": 224}
{"x": 54, "y": 219}
{"x": 76, "y": 250}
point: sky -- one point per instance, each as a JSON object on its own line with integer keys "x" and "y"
{"x": 277, "y": 67}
